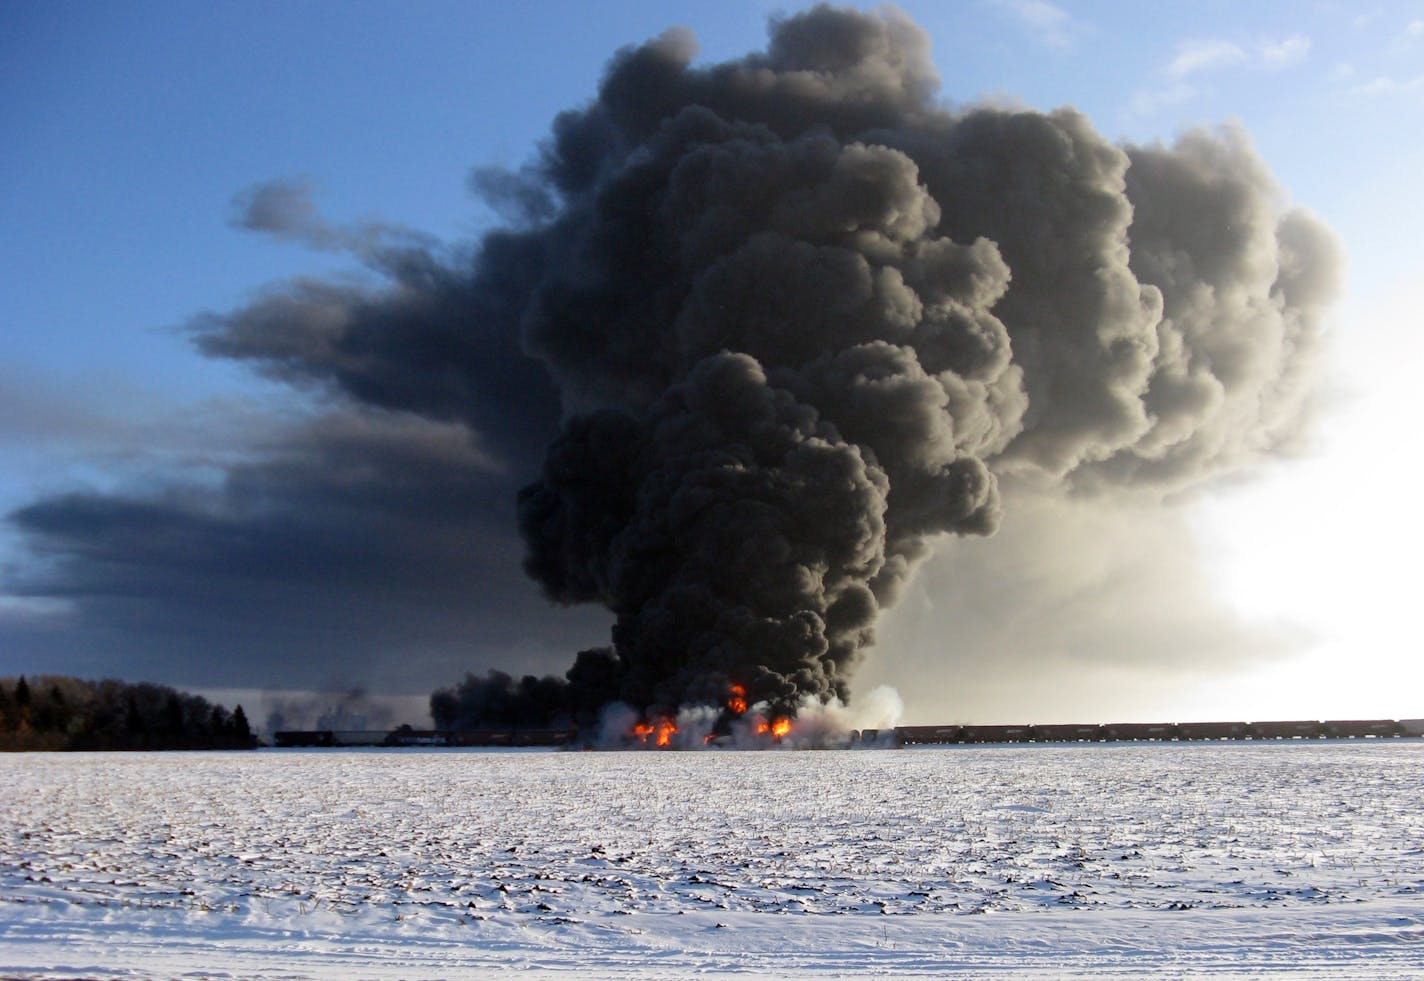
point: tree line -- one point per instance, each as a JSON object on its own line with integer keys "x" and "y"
{"x": 54, "y": 712}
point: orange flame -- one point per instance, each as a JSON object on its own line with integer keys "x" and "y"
{"x": 737, "y": 701}
{"x": 666, "y": 730}
{"x": 660, "y": 731}
{"x": 776, "y": 728}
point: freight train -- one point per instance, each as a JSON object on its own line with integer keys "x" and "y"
{"x": 902, "y": 735}
{"x": 1156, "y": 732}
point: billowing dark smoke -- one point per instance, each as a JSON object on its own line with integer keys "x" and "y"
{"x": 788, "y": 321}
{"x": 801, "y": 315}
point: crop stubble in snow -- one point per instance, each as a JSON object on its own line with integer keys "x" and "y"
{"x": 1224, "y": 857}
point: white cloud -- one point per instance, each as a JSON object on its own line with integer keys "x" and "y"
{"x": 1279, "y": 54}
{"x": 1385, "y": 86}
{"x": 1051, "y": 23}
{"x": 1198, "y": 56}
{"x": 1201, "y": 56}
{"x": 1405, "y": 44}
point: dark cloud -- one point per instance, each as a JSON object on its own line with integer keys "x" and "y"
{"x": 782, "y": 324}
{"x": 362, "y": 545}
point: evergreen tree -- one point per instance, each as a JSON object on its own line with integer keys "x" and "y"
{"x": 219, "y": 726}
{"x": 241, "y": 732}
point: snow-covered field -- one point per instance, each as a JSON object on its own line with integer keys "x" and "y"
{"x": 1179, "y": 860}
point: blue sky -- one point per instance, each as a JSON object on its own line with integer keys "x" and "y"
{"x": 131, "y": 127}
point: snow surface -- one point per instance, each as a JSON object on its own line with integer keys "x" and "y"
{"x": 1183, "y": 860}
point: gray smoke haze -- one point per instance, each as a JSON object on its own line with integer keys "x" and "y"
{"x": 1076, "y": 609}
{"x": 351, "y": 710}
{"x": 761, "y": 334}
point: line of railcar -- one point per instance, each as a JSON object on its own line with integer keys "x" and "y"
{"x": 900, "y": 735}
{"x": 293, "y": 738}
{"x": 1158, "y": 732}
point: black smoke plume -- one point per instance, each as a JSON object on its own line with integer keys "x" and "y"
{"x": 787, "y": 320}
{"x": 804, "y": 319}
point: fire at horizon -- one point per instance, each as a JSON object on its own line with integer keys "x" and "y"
{"x": 736, "y": 717}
